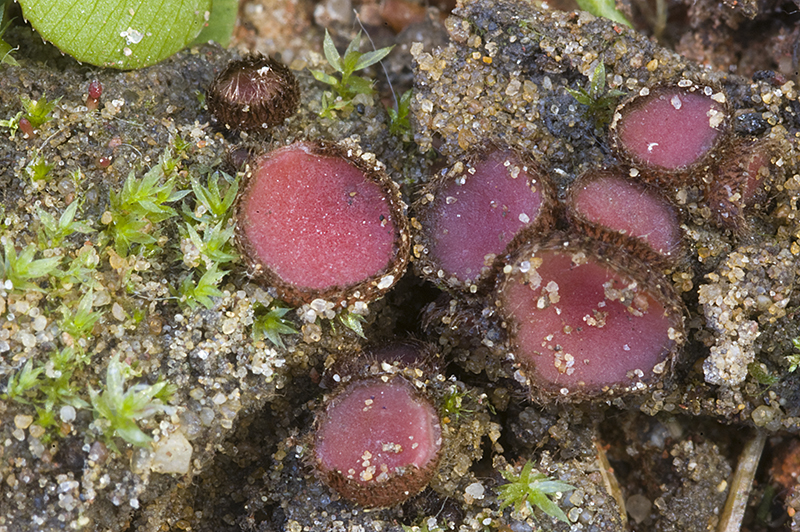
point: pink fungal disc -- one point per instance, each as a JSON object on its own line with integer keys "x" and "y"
{"x": 611, "y": 201}
{"x": 377, "y": 443}
{"x": 581, "y": 327}
{"x": 476, "y": 213}
{"x": 315, "y": 224}
{"x": 670, "y": 128}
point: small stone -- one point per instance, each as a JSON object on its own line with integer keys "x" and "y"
{"x": 172, "y": 455}
{"x": 67, "y": 414}
{"x": 23, "y": 421}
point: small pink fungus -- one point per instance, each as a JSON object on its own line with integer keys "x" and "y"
{"x": 671, "y": 128}
{"x": 377, "y": 443}
{"x": 477, "y": 213}
{"x": 580, "y": 327}
{"x": 313, "y": 221}
{"x": 614, "y": 202}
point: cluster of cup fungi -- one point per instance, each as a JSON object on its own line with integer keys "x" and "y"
{"x": 575, "y": 279}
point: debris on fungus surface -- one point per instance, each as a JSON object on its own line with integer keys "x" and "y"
{"x": 473, "y": 212}
{"x": 253, "y": 94}
{"x": 318, "y": 223}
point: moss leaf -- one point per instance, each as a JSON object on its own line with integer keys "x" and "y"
{"x": 121, "y": 34}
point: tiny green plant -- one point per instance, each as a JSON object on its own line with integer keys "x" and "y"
{"x": 215, "y": 245}
{"x": 22, "y": 382}
{"x": 35, "y": 112}
{"x": 194, "y": 294}
{"x": 81, "y": 269}
{"x": 270, "y": 323}
{"x": 347, "y": 86}
{"x": 57, "y": 386}
{"x": 52, "y": 232}
{"x": 38, "y": 170}
{"x": 135, "y": 211}
{"x": 354, "y": 322}
{"x": 532, "y": 488}
{"x": 399, "y": 122}
{"x": 794, "y": 360}
{"x": 23, "y": 270}
{"x": 40, "y": 111}
{"x": 118, "y": 408}
{"x": 213, "y": 201}
{"x": 604, "y": 8}
{"x": 453, "y": 406}
{"x": 599, "y": 102}
{"x": 5, "y": 48}
{"x": 80, "y": 321}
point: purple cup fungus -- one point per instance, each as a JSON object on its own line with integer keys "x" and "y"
{"x": 608, "y": 206}
{"x": 378, "y": 438}
{"x": 740, "y": 183}
{"x": 253, "y": 94}
{"x": 477, "y": 211}
{"x": 318, "y": 221}
{"x": 582, "y": 325}
{"x": 669, "y": 129}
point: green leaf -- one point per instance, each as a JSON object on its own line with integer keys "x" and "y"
{"x": 760, "y": 373}
{"x": 331, "y": 53}
{"x": 121, "y": 34}
{"x": 221, "y": 23}
{"x": 325, "y": 78}
{"x": 359, "y": 85}
{"x": 581, "y": 96}
{"x": 272, "y": 325}
{"x": 604, "y": 8}
{"x": 370, "y": 58}
{"x": 540, "y": 500}
{"x": 354, "y": 322}
{"x": 5, "y": 48}
{"x": 5, "y": 54}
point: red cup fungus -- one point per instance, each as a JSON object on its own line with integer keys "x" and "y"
{"x": 581, "y": 325}
{"x": 317, "y": 221}
{"x": 670, "y": 128}
{"x": 476, "y": 212}
{"x": 253, "y": 94}
{"x": 608, "y": 206}
{"x": 738, "y": 183}
{"x": 377, "y": 441}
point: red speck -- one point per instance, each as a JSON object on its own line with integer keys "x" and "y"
{"x": 104, "y": 162}
{"x": 26, "y": 127}
{"x": 95, "y": 89}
